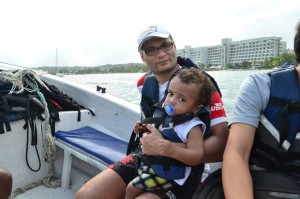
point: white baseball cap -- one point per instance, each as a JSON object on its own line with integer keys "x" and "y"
{"x": 150, "y": 32}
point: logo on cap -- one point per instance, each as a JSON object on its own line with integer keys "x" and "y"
{"x": 151, "y": 31}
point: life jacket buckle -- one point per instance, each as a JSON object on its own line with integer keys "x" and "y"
{"x": 294, "y": 106}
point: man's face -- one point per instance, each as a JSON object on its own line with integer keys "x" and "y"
{"x": 165, "y": 60}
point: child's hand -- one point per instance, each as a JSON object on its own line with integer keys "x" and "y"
{"x": 138, "y": 127}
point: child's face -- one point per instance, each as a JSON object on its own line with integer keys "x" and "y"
{"x": 182, "y": 96}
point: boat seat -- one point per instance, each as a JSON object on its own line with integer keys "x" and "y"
{"x": 89, "y": 145}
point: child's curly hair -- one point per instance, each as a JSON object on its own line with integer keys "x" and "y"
{"x": 195, "y": 76}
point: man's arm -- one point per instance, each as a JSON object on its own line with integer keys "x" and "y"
{"x": 215, "y": 144}
{"x": 236, "y": 177}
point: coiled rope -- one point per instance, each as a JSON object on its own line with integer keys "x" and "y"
{"x": 25, "y": 79}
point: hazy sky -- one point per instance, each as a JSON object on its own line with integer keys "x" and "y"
{"x": 99, "y": 32}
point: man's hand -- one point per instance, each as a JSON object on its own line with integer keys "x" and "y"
{"x": 164, "y": 147}
{"x": 150, "y": 140}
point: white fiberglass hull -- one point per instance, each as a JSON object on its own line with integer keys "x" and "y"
{"x": 114, "y": 116}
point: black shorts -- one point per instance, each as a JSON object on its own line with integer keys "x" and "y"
{"x": 127, "y": 169}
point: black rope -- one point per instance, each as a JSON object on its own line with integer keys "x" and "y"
{"x": 30, "y": 124}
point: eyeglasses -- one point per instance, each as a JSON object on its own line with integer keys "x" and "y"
{"x": 152, "y": 51}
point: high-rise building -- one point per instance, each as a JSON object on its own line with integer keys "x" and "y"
{"x": 231, "y": 52}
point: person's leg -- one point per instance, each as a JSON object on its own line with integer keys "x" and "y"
{"x": 148, "y": 195}
{"x": 107, "y": 184}
{"x": 132, "y": 192}
{"x": 110, "y": 183}
{"x": 5, "y": 183}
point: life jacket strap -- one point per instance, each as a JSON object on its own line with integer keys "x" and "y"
{"x": 294, "y": 106}
{"x": 166, "y": 162}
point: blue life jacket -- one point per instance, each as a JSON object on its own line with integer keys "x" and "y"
{"x": 277, "y": 139}
{"x": 166, "y": 167}
{"x": 150, "y": 97}
{"x": 163, "y": 166}
{"x": 149, "y": 101}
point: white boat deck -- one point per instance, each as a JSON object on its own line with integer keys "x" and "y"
{"x": 81, "y": 172}
{"x": 47, "y": 193}
{"x": 79, "y": 178}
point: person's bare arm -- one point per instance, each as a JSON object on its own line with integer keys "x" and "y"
{"x": 192, "y": 154}
{"x": 5, "y": 183}
{"x": 150, "y": 141}
{"x": 215, "y": 144}
{"x": 236, "y": 177}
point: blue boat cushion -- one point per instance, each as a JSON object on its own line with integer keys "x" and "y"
{"x": 103, "y": 146}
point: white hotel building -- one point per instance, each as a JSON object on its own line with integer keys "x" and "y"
{"x": 232, "y": 52}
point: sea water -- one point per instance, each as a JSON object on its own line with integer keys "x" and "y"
{"x": 123, "y": 85}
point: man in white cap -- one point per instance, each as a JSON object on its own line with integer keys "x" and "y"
{"x": 158, "y": 50}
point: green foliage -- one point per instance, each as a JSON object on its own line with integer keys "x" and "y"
{"x": 290, "y": 58}
{"x": 141, "y": 67}
{"x": 117, "y": 68}
{"x": 267, "y": 64}
{"x": 245, "y": 65}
